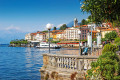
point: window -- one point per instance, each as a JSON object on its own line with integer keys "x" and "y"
{"x": 83, "y": 36}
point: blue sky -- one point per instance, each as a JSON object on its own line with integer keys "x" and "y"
{"x": 23, "y": 16}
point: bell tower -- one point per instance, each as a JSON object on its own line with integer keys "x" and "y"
{"x": 75, "y": 22}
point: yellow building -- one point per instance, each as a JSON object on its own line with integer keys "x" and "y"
{"x": 47, "y": 35}
{"x": 54, "y": 34}
{"x": 94, "y": 34}
{"x": 104, "y": 30}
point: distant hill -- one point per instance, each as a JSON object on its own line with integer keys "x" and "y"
{"x": 7, "y": 35}
{"x": 70, "y": 24}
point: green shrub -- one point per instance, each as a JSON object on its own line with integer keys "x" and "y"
{"x": 118, "y": 44}
{"x": 117, "y": 40}
{"x": 109, "y": 48}
{"x": 55, "y": 41}
{"x": 111, "y": 35}
{"x": 76, "y": 40}
{"x": 107, "y": 67}
{"x": 103, "y": 39}
{"x": 95, "y": 39}
{"x": 84, "y": 40}
{"x": 22, "y": 41}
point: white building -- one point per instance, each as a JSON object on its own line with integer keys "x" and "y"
{"x": 94, "y": 26}
{"x": 71, "y": 33}
{"x": 40, "y": 36}
{"x": 60, "y": 35}
{"x": 28, "y": 37}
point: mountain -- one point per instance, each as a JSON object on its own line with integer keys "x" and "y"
{"x": 7, "y": 35}
{"x": 70, "y": 24}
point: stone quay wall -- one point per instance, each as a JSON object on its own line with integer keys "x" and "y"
{"x": 65, "y": 67}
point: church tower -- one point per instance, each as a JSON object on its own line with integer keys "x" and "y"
{"x": 75, "y": 22}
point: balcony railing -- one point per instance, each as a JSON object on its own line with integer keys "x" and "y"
{"x": 67, "y": 62}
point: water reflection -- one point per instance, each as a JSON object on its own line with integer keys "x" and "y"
{"x": 33, "y": 61}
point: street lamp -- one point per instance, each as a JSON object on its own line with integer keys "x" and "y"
{"x": 49, "y": 26}
{"x": 79, "y": 32}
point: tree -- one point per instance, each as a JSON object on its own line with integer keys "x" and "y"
{"x": 102, "y": 9}
{"x": 84, "y": 22}
{"x": 111, "y": 35}
{"x": 63, "y": 27}
{"x": 107, "y": 67}
{"x": 54, "y": 28}
{"x": 45, "y": 31}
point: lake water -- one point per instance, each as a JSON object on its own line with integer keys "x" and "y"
{"x": 19, "y": 63}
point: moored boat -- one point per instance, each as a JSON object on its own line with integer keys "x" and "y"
{"x": 46, "y": 45}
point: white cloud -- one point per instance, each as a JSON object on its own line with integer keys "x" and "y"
{"x": 12, "y": 28}
{"x": 58, "y": 26}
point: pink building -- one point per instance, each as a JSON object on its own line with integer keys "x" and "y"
{"x": 84, "y": 30}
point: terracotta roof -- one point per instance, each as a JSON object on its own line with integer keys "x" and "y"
{"x": 101, "y": 27}
{"x": 77, "y": 26}
{"x": 84, "y": 25}
{"x": 94, "y": 31}
{"x": 108, "y": 23}
{"x": 42, "y": 34}
{"x": 59, "y": 32}
{"x": 111, "y": 29}
{"x": 38, "y": 32}
{"x": 33, "y": 34}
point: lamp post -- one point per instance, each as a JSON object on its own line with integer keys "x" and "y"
{"x": 49, "y": 26}
{"x": 79, "y": 32}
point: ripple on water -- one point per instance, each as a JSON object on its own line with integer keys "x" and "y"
{"x": 20, "y": 63}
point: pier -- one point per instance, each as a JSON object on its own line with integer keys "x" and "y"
{"x": 65, "y": 67}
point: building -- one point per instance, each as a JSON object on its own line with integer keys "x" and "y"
{"x": 104, "y": 30}
{"x": 84, "y": 30}
{"x": 47, "y": 35}
{"x": 94, "y": 26}
{"x": 54, "y": 33}
{"x": 60, "y": 36}
{"x": 94, "y": 34}
{"x": 33, "y": 35}
{"x": 40, "y": 36}
{"x": 108, "y": 25}
{"x": 71, "y": 33}
{"x": 28, "y": 37}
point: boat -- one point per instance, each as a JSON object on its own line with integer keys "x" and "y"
{"x": 46, "y": 45}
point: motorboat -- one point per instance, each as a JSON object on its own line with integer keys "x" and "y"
{"x": 46, "y": 45}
